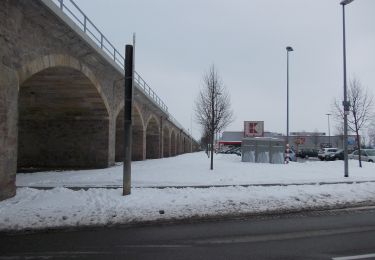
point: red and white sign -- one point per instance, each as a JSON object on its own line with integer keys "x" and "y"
{"x": 254, "y": 128}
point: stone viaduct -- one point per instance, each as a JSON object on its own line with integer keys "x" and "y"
{"x": 61, "y": 97}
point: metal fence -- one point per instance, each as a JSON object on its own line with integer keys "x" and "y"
{"x": 71, "y": 9}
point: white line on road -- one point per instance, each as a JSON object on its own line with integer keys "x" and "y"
{"x": 155, "y": 246}
{"x": 367, "y": 256}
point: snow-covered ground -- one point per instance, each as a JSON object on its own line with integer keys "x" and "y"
{"x": 193, "y": 169}
{"x": 60, "y": 207}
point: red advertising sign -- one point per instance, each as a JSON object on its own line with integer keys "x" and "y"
{"x": 254, "y": 128}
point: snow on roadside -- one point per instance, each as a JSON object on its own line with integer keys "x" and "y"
{"x": 61, "y": 207}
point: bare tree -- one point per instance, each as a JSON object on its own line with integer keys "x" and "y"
{"x": 212, "y": 107}
{"x": 361, "y": 103}
{"x": 205, "y": 141}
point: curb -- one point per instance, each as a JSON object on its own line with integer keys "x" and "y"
{"x": 75, "y": 188}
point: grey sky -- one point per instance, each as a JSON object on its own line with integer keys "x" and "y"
{"x": 245, "y": 39}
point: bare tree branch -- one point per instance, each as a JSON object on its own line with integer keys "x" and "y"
{"x": 212, "y": 106}
{"x": 361, "y": 105}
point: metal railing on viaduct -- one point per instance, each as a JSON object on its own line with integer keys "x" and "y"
{"x": 72, "y": 10}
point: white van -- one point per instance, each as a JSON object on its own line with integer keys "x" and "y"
{"x": 324, "y": 153}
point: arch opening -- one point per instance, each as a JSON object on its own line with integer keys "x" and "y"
{"x": 178, "y": 144}
{"x": 152, "y": 139}
{"x": 173, "y": 143}
{"x": 63, "y": 122}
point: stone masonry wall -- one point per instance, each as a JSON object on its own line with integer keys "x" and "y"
{"x": 55, "y": 144}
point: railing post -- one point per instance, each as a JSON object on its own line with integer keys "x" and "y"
{"x": 101, "y": 41}
{"x": 61, "y": 4}
{"x": 84, "y": 23}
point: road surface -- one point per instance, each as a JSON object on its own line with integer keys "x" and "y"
{"x": 338, "y": 234}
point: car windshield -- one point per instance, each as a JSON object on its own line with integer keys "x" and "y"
{"x": 370, "y": 152}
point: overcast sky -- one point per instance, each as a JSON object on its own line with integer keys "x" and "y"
{"x": 177, "y": 41}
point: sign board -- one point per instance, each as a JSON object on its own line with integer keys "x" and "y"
{"x": 300, "y": 140}
{"x": 351, "y": 140}
{"x": 254, "y": 128}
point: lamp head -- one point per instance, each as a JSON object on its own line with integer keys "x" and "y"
{"x": 289, "y": 48}
{"x": 345, "y": 2}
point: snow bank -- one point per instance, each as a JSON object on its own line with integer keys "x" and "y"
{"x": 60, "y": 207}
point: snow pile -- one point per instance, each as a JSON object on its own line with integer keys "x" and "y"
{"x": 61, "y": 207}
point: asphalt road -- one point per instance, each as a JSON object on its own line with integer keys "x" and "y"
{"x": 317, "y": 235}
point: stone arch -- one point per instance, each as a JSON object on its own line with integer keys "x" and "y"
{"x": 166, "y": 142}
{"x": 137, "y": 134}
{"x": 63, "y": 116}
{"x": 173, "y": 143}
{"x": 189, "y": 145}
{"x": 152, "y": 138}
{"x": 60, "y": 60}
{"x": 178, "y": 143}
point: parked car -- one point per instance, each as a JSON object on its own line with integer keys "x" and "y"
{"x": 306, "y": 153}
{"x": 339, "y": 155}
{"x": 367, "y": 155}
{"x": 234, "y": 150}
{"x": 324, "y": 153}
{"x": 225, "y": 149}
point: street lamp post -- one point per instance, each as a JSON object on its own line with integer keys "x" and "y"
{"x": 288, "y": 49}
{"x": 345, "y": 103}
{"x": 329, "y": 129}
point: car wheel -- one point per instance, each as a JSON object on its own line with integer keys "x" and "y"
{"x": 306, "y": 157}
{"x": 370, "y": 160}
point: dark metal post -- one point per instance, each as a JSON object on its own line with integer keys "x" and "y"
{"x": 287, "y": 97}
{"x": 128, "y": 101}
{"x": 345, "y": 102}
{"x": 288, "y": 49}
{"x": 212, "y": 127}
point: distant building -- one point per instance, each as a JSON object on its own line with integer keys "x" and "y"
{"x": 234, "y": 138}
{"x": 298, "y": 140}
{"x": 308, "y": 133}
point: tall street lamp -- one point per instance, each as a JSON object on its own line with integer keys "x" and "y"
{"x": 329, "y": 130}
{"x": 288, "y": 49}
{"x": 345, "y": 103}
